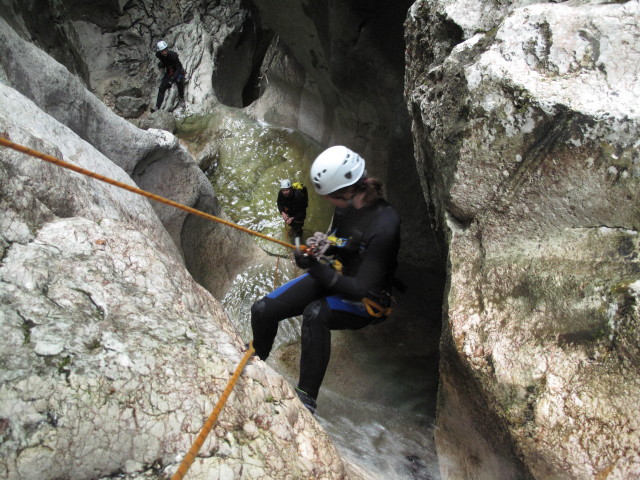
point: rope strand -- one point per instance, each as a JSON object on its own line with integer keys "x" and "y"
{"x": 69, "y": 166}
{"x": 208, "y": 425}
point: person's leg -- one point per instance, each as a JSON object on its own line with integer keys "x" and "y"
{"x": 297, "y": 228}
{"x": 286, "y": 301}
{"x": 164, "y": 85}
{"x": 319, "y": 318}
{"x": 180, "y": 85}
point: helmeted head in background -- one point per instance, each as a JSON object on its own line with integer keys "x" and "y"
{"x": 285, "y": 184}
{"x": 161, "y": 46}
{"x": 285, "y": 187}
{"x": 335, "y": 168}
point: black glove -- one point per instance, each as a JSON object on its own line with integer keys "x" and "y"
{"x": 304, "y": 260}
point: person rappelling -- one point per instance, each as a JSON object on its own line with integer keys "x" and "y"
{"x": 348, "y": 282}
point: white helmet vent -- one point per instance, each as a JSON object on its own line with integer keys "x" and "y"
{"x": 336, "y": 168}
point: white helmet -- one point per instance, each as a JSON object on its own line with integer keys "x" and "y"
{"x": 161, "y": 45}
{"x": 335, "y": 168}
{"x": 285, "y": 184}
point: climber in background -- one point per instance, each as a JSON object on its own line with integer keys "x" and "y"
{"x": 292, "y": 205}
{"x": 348, "y": 283}
{"x": 173, "y": 73}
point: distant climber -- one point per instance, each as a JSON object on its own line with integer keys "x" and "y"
{"x": 173, "y": 73}
{"x": 348, "y": 286}
{"x": 292, "y": 205}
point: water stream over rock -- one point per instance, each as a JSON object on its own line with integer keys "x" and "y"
{"x": 378, "y": 398}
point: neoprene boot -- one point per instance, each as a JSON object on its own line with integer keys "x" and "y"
{"x": 307, "y": 400}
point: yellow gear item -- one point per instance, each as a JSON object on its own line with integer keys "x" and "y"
{"x": 338, "y": 242}
{"x": 375, "y": 309}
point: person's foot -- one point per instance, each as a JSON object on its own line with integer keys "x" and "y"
{"x": 308, "y": 401}
{"x": 153, "y": 109}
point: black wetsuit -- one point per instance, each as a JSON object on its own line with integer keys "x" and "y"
{"x": 329, "y": 301}
{"x": 295, "y": 205}
{"x": 173, "y": 73}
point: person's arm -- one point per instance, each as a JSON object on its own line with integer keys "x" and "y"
{"x": 280, "y": 203}
{"x": 374, "y": 266}
{"x": 300, "y": 206}
{"x": 175, "y": 61}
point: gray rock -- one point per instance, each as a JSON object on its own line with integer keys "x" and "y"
{"x": 160, "y": 119}
{"x": 130, "y": 107}
{"x": 526, "y": 136}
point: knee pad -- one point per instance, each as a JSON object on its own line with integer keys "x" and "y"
{"x": 315, "y": 312}
{"x": 257, "y": 309}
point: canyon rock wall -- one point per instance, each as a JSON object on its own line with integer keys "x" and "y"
{"x": 112, "y": 355}
{"x": 526, "y": 122}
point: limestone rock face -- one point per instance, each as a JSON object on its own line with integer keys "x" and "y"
{"x": 526, "y": 131}
{"x": 112, "y": 355}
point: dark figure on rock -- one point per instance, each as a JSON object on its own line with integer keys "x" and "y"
{"x": 292, "y": 205}
{"x": 173, "y": 73}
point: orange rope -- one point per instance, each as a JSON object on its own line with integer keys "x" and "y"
{"x": 48, "y": 158}
{"x": 197, "y": 445}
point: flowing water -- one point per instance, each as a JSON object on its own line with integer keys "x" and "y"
{"x": 378, "y": 399}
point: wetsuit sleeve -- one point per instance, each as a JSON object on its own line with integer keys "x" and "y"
{"x": 301, "y": 206}
{"x": 377, "y": 262}
{"x": 175, "y": 62}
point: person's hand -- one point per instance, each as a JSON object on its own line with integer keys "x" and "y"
{"x": 289, "y": 220}
{"x": 304, "y": 260}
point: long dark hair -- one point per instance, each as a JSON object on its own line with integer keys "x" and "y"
{"x": 373, "y": 187}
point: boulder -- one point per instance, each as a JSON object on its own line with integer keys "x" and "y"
{"x": 526, "y": 133}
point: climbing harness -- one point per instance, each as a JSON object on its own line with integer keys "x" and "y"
{"x": 319, "y": 243}
{"x": 376, "y": 310}
{"x": 69, "y": 166}
{"x": 204, "y": 432}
